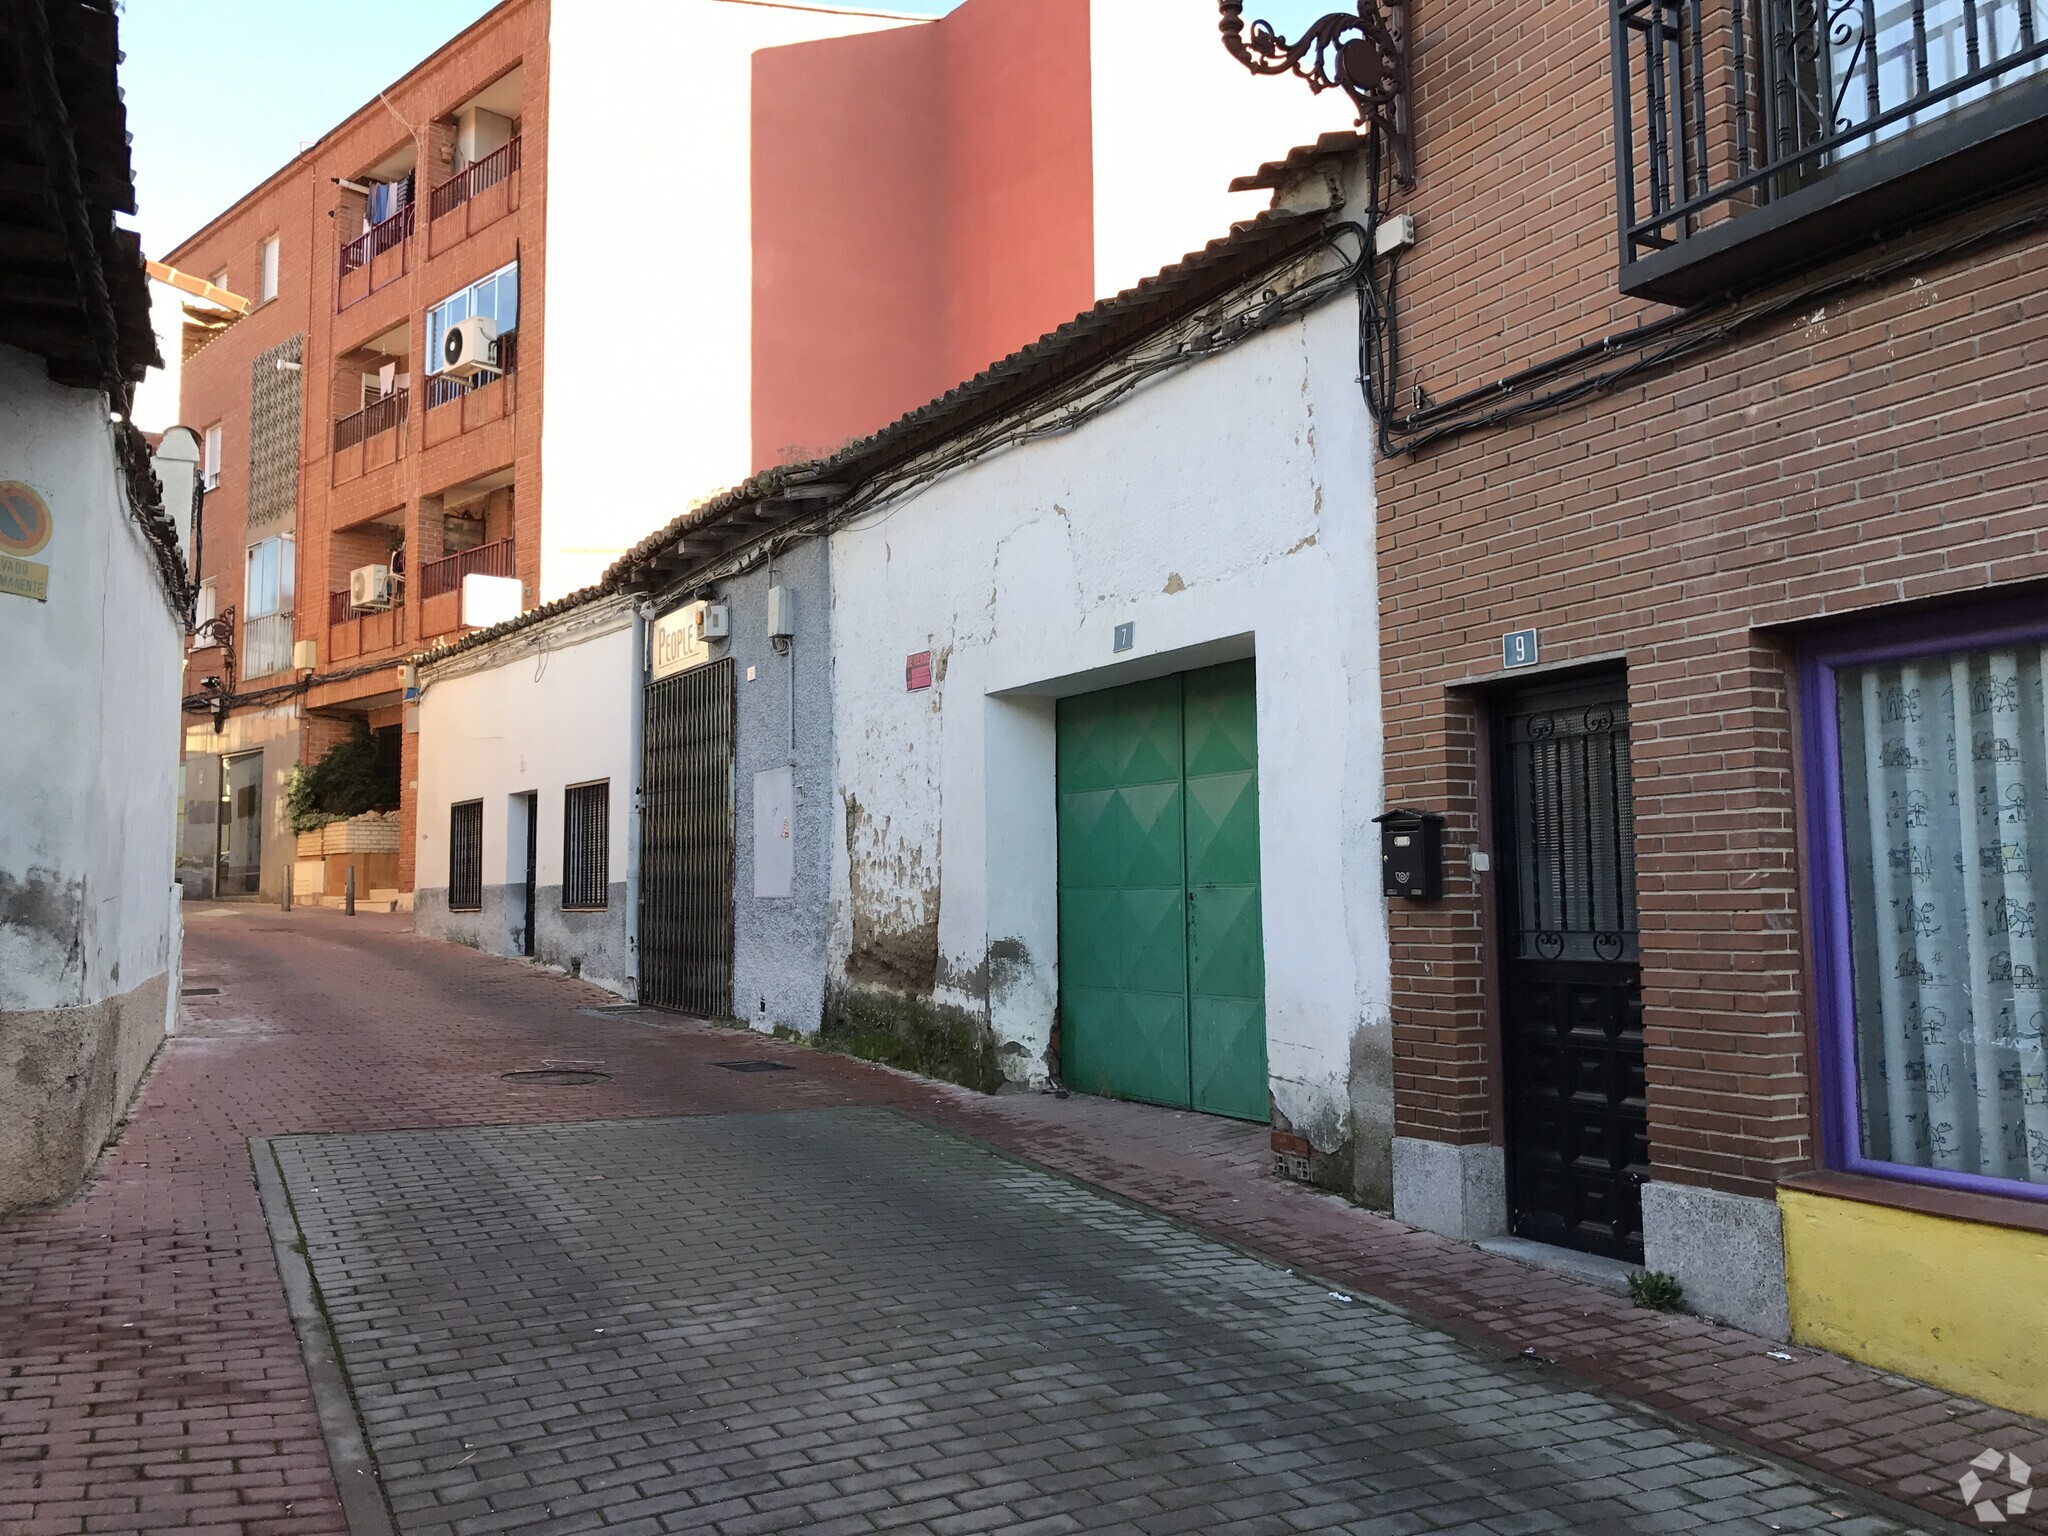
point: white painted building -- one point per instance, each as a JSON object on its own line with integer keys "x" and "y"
{"x": 526, "y": 839}
{"x": 92, "y": 599}
{"x": 1019, "y": 819}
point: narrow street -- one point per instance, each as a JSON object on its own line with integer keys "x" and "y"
{"x": 648, "y": 1292}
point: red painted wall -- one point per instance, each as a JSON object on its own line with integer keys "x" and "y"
{"x": 1020, "y": 175}
{"x": 923, "y": 204}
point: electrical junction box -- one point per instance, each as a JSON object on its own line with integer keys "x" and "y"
{"x": 715, "y": 623}
{"x": 781, "y": 614}
{"x": 1395, "y": 233}
{"x": 1412, "y": 854}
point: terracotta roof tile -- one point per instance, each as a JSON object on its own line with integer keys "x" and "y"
{"x": 1274, "y": 173}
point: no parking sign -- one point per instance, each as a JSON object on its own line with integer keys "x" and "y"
{"x": 25, "y": 527}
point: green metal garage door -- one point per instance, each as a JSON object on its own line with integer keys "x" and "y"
{"x": 1162, "y": 965}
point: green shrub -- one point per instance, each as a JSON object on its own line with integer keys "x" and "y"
{"x": 346, "y": 782}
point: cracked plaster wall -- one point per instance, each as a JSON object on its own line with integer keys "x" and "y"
{"x": 1226, "y": 510}
{"x": 89, "y": 919}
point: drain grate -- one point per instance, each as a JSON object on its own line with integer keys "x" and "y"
{"x": 555, "y": 1077}
{"x": 756, "y": 1065}
{"x": 199, "y": 992}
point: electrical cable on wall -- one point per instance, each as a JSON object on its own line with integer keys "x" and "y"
{"x": 1656, "y": 343}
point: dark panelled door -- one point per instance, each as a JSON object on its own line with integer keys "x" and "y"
{"x": 1571, "y": 979}
{"x": 686, "y": 842}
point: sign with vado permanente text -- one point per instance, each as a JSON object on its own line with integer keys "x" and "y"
{"x": 25, "y": 528}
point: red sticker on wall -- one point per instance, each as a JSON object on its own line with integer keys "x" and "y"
{"x": 917, "y": 671}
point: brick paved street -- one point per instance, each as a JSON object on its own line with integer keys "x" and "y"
{"x": 843, "y": 1321}
{"x": 150, "y": 1378}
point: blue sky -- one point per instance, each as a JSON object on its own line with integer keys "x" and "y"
{"x": 223, "y": 92}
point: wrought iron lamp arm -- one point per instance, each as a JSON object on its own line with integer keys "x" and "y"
{"x": 220, "y": 631}
{"x": 1364, "y": 55}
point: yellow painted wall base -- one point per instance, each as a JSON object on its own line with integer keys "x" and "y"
{"x": 1955, "y": 1303}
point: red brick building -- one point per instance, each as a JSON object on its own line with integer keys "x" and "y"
{"x": 339, "y": 447}
{"x": 1712, "y": 551}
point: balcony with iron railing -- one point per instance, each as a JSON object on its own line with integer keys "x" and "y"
{"x": 474, "y": 198}
{"x": 1757, "y": 137}
{"x": 375, "y": 258}
{"x": 440, "y": 577}
{"x": 371, "y": 439}
{"x": 442, "y": 600}
{"x": 383, "y": 415}
{"x": 445, "y": 389}
{"x": 473, "y": 180}
{"x": 353, "y": 631}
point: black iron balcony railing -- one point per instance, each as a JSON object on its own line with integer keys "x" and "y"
{"x": 378, "y": 416}
{"x": 378, "y": 239}
{"x": 1723, "y": 108}
{"x": 470, "y": 180}
{"x": 443, "y": 390}
{"x": 440, "y": 577}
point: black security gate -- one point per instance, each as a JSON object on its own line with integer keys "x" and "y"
{"x": 1571, "y": 978}
{"x": 686, "y": 843}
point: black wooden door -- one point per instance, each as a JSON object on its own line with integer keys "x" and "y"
{"x": 532, "y": 874}
{"x": 1571, "y": 979}
{"x": 686, "y": 842}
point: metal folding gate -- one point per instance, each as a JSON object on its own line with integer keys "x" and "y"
{"x": 686, "y": 843}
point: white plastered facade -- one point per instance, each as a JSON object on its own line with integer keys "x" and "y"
{"x": 1225, "y": 510}
{"x": 550, "y": 706}
{"x": 89, "y": 916}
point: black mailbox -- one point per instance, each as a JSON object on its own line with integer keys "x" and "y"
{"x": 1412, "y": 854}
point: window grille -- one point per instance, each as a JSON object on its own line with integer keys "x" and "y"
{"x": 586, "y": 846}
{"x": 466, "y": 857}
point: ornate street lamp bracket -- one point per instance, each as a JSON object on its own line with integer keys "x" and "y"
{"x": 1365, "y": 56}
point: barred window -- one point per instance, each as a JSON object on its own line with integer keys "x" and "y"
{"x": 466, "y": 857}
{"x": 586, "y": 846}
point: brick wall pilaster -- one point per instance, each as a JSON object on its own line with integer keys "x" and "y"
{"x": 408, "y": 809}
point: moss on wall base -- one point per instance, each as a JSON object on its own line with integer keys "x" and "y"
{"x": 914, "y": 1033}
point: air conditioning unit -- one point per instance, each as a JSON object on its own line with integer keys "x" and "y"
{"x": 369, "y": 586}
{"x": 469, "y": 348}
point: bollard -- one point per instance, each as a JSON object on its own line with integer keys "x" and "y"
{"x": 289, "y": 876}
{"x": 348, "y": 895}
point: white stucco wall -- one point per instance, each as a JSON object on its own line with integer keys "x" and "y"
{"x": 87, "y": 843}
{"x": 89, "y": 917}
{"x": 1226, "y": 510}
{"x": 650, "y": 208}
{"x": 1160, "y": 65}
{"x": 550, "y": 707}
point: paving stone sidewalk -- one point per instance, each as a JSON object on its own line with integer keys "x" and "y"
{"x": 150, "y": 1379}
{"x": 844, "y": 1321}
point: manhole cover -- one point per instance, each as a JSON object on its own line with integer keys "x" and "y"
{"x": 199, "y": 992}
{"x": 555, "y": 1077}
{"x": 753, "y": 1066}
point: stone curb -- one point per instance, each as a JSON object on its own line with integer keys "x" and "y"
{"x": 363, "y": 1505}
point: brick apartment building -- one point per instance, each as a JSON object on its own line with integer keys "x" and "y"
{"x": 1735, "y": 970}
{"x": 827, "y": 216}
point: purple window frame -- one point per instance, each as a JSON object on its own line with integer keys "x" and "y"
{"x": 1841, "y": 1109}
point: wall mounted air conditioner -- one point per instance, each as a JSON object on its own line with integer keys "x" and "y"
{"x": 469, "y": 348}
{"x": 369, "y": 586}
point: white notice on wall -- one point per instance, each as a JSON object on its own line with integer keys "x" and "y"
{"x": 679, "y": 642}
{"x": 774, "y": 845}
